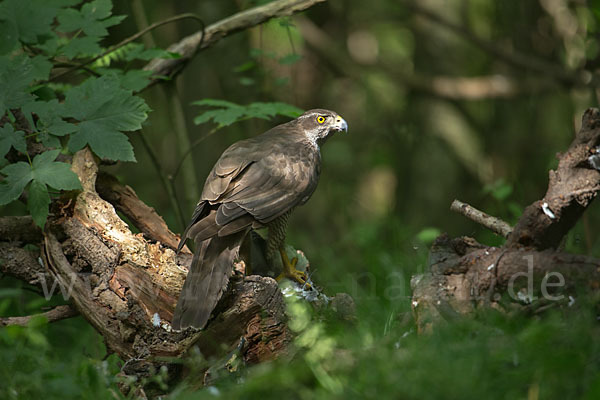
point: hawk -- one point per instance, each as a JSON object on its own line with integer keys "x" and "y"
{"x": 256, "y": 183}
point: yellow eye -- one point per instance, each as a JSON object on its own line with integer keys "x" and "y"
{"x": 320, "y": 119}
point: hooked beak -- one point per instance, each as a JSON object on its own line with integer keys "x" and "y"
{"x": 340, "y": 124}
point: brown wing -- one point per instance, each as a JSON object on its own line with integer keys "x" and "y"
{"x": 251, "y": 183}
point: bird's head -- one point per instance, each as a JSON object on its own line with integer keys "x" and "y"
{"x": 318, "y": 124}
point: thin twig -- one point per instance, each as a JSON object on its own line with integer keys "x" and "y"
{"x": 56, "y": 314}
{"x": 167, "y": 183}
{"x": 494, "y": 224}
{"x": 190, "y": 180}
{"x": 167, "y": 180}
{"x": 189, "y": 150}
{"x": 131, "y": 39}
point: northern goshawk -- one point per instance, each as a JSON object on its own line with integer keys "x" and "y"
{"x": 256, "y": 183}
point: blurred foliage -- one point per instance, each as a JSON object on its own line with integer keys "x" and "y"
{"x": 435, "y": 113}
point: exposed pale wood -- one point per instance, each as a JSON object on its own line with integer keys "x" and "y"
{"x": 144, "y": 217}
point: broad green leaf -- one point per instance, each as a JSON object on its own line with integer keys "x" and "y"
{"x": 223, "y": 117}
{"x": 11, "y": 138}
{"x": 38, "y": 202}
{"x": 82, "y": 46}
{"x": 49, "y": 120}
{"x": 136, "y": 79}
{"x": 9, "y": 36}
{"x": 52, "y": 173}
{"x": 93, "y": 18}
{"x": 108, "y": 144}
{"x": 43, "y": 171}
{"x": 48, "y": 140}
{"x": 275, "y": 108}
{"x": 104, "y": 110}
{"x": 30, "y": 19}
{"x": 16, "y": 75}
{"x": 40, "y": 67}
{"x": 18, "y": 175}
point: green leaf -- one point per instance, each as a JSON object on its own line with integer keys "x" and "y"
{"x": 52, "y": 173}
{"x": 80, "y": 47}
{"x": 248, "y": 65}
{"x": 18, "y": 175}
{"x": 16, "y": 75}
{"x": 275, "y": 108}
{"x": 500, "y": 189}
{"x": 111, "y": 145}
{"x": 136, "y": 79}
{"x": 223, "y": 117}
{"x": 43, "y": 171}
{"x": 215, "y": 103}
{"x": 92, "y": 19}
{"x": 9, "y": 36}
{"x": 227, "y": 113}
{"x": 11, "y": 138}
{"x": 48, "y": 140}
{"x": 428, "y": 235}
{"x": 290, "y": 59}
{"x": 38, "y": 202}
{"x": 30, "y": 19}
{"x": 49, "y": 121}
{"x": 104, "y": 110}
{"x": 40, "y": 67}
{"x": 139, "y": 52}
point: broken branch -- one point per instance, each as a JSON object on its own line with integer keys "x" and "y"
{"x": 56, "y": 314}
{"x": 494, "y": 224}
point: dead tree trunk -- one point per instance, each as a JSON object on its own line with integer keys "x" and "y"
{"x": 126, "y": 285}
{"x": 528, "y": 271}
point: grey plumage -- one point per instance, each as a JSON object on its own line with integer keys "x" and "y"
{"x": 254, "y": 182}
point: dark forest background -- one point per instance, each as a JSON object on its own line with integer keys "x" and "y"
{"x": 445, "y": 99}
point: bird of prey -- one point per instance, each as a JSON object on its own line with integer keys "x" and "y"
{"x": 256, "y": 183}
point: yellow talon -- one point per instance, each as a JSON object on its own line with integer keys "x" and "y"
{"x": 290, "y": 271}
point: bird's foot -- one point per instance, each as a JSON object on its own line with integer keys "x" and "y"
{"x": 290, "y": 271}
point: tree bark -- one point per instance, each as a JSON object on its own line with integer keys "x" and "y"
{"x": 528, "y": 273}
{"x": 126, "y": 285}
